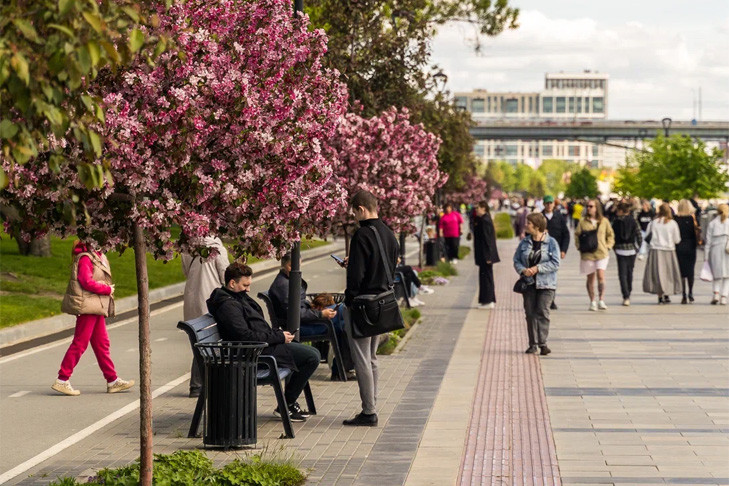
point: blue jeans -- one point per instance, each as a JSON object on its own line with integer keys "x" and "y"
{"x": 317, "y": 328}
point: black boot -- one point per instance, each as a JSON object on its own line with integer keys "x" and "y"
{"x": 362, "y": 420}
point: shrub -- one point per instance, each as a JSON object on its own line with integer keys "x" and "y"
{"x": 445, "y": 269}
{"x": 502, "y": 224}
{"x": 190, "y": 468}
{"x": 463, "y": 252}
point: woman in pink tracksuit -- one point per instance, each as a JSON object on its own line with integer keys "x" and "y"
{"x": 89, "y": 296}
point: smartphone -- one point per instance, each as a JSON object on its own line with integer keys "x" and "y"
{"x": 338, "y": 260}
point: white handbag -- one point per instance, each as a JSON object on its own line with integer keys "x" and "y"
{"x": 706, "y": 274}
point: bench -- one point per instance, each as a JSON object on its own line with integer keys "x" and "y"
{"x": 330, "y": 335}
{"x": 204, "y": 329}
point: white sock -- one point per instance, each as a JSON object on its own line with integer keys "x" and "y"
{"x": 110, "y": 383}
{"x": 62, "y": 381}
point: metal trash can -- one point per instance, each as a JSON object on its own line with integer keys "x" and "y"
{"x": 230, "y": 392}
{"x": 432, "y": 256}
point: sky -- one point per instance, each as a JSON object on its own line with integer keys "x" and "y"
{"x": 657, "y": 53}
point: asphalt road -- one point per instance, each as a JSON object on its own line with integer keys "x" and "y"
{"x": 33, "y": 418}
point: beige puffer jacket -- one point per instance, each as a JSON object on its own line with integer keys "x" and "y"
{"x": 78, "y": 300}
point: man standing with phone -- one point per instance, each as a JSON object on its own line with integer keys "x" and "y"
{"x": 366, "y": 275}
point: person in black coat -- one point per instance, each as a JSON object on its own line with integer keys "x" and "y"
{"x": 485, "y": 254}
{"x": 557, "y": 229}
{"x": 240, "y": 318}
{"x": 686, "y": 248}
{"x": 628, "y": 239}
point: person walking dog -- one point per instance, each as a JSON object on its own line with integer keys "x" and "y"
{"x": 537, "y": 260}
{"x": 90, "y": 297}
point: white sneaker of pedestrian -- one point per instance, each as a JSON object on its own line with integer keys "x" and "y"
{"x": 601, "y": 305}
{"x": 626, "y": 302}
{"x": 119, "y": 385}
{"x": 416, "y": 301}
{"x": 65, "y": 388}
{"x": 723, "y": 301}
{"x": 454, "y": 262}
{"x": 593, "y": 305}
{"x": 490, "y": 305}
{"x": 426, "y": 290}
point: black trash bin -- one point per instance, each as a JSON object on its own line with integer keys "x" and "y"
{"x": 230, "y": 392}
{"x": 431, "y": 253}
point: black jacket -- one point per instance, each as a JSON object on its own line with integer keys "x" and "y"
{"x": 557, "y": 229}
{"x": 627, "y": 233}
{"x": 484, "y": 240}
{"x": 279, "y": 293}
{"x": 365, "y": 271}
{"x": 240, "y": 318}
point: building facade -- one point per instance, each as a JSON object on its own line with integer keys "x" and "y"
{"x": 565, "y": 97}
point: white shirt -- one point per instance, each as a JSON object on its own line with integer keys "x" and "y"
{"x": 665, "y": 235}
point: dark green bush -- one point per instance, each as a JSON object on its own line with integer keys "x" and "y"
{"x": 463, "y": 252}
{"x": 445, "y": 269}
{"x": 502, "y": 224}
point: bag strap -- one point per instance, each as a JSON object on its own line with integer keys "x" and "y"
{"x": 390, "y": 282}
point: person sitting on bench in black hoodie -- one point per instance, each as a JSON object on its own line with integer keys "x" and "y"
{"x": 240, "y": 318}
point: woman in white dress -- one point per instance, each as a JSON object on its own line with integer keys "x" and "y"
{"x": 662, "y": 273}
{"x": 716, "y": 252}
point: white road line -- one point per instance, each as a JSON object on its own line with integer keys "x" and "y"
{"x": 159, "y": 340}
{"x": 131, "y": 350}
{"x": 29, "y": 352}
{"x": 82, "y": 434}
{"x": 19, "y": 394}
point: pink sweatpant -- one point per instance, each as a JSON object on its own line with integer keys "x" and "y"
{"x": 89, "y": 328}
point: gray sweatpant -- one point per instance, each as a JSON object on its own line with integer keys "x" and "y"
{"x": 364, "y": 357}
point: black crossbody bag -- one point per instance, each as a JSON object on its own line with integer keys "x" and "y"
{"x": 374, "y": 314}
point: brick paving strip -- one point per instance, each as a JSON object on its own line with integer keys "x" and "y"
{"x": 509, "y": 436}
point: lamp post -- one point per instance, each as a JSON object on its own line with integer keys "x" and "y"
{"x": 440, "y": 79}
{"x": 293, "y": 317}
{"x": 666, "y": 122}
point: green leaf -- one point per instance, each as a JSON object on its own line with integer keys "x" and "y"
{"x": 3, "y": 179}
{"x": 27, "y": 29}
{"x": 136, "y": 40}
{"x": 64, "y": 29}
{"x": 111, "y": 52}
{"x": 20, "y": 65}
{"x": 8, "y": 129}
{"x": 94, "y": 52}
{"x": 65, "y": 6}
{"x": 132, "y": 13}
{"x": 84, "y": 59}
{"x": 94, "y": 21}
{"x": 95, "y": 142}
{"x": 88, "y": 102}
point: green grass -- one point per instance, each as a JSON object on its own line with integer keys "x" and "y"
{"x": 502, "y": 224}
{"x": 32, "y": 287}
{"x": 410, "y": 317}
{"x": 463, "y": 252}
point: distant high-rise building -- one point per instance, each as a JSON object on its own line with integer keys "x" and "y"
{"x": 566, "y": 96}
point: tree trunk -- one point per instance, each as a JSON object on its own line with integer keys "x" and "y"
{"x": 40, "y": 247}
{"x": 346, "y": 241}
{"x": 145, "y": 360}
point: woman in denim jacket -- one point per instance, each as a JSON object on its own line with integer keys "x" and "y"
{"x": 536, "y": 260}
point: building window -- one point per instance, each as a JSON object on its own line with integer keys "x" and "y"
{"x": 547, "y": 104}
{"x": 512, "y": 105}
{"x": 461, "y": 103}
{"x": 531, "y": 105}
{"x": 579, "y": 104}
{"x": 488, "y": 108}
{"x": 598, "y": 104}
{"x": 574, "y": 151}
{"x": 477, "y": 105}
{"x": 479, "y": 149}
{"x": 560, "y": 104}
{"x": 572, "y": 104}
{"x": 587, "y": 105}
{"x": 595, "y": 150}
{"x": 547, "y": 150}
{"x": 512, "y": 150}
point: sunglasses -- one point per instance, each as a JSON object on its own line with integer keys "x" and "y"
{"x": 591, "y": 206}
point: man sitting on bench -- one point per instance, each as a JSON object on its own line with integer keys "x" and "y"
{"x": 240, "y": 318}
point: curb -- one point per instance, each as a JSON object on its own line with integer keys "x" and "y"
{"x": 51, "y": 325}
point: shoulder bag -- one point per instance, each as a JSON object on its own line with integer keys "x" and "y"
{"x": 588, "y": 240}
{"x": 376, "y": 314}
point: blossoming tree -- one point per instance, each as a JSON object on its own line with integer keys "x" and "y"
{"x": 222, "y": 137}
{"x": 391, "y": 157}
{"x": 473, "y": 190}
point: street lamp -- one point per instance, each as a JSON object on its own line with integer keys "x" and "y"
{"x": 666, "y": 122}
{"x": 440, "y": 80}
{"x": 293, "y": 317}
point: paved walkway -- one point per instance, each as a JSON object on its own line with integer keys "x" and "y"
{"x": 636, "y": 395}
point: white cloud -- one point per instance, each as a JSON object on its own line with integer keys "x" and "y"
{"x": 653, "y": 68}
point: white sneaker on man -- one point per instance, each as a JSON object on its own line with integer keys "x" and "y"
{"x": 641, "y": 257}
{"x": 601, "y": 305}
{"x": 626, "y": 302}
{"x": 415, "y": 302}
{"x": 490, "y": 305}
{"x": 593, "y": 305}
{"x": 426, "y": 290}
{"x": 722, "y": 301}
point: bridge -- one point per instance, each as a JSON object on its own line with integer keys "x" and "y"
{"x": 595, "y": 130}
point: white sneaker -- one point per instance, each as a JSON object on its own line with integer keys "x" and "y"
{"x": 723, "y": 301}
{"x": 454, "y": 262}
{"x": 415, "y": 302}
{"x": 641, "y": 257}
{"x": 601, "y": 305}
{"x": 65, "y": 388}
{"x": 490, "y": 305}
{"x": 119, "y": 385}
{"x": 593, "y": 305}
{"x": 626, "y": 302}
{"x": 426, "y": 290}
